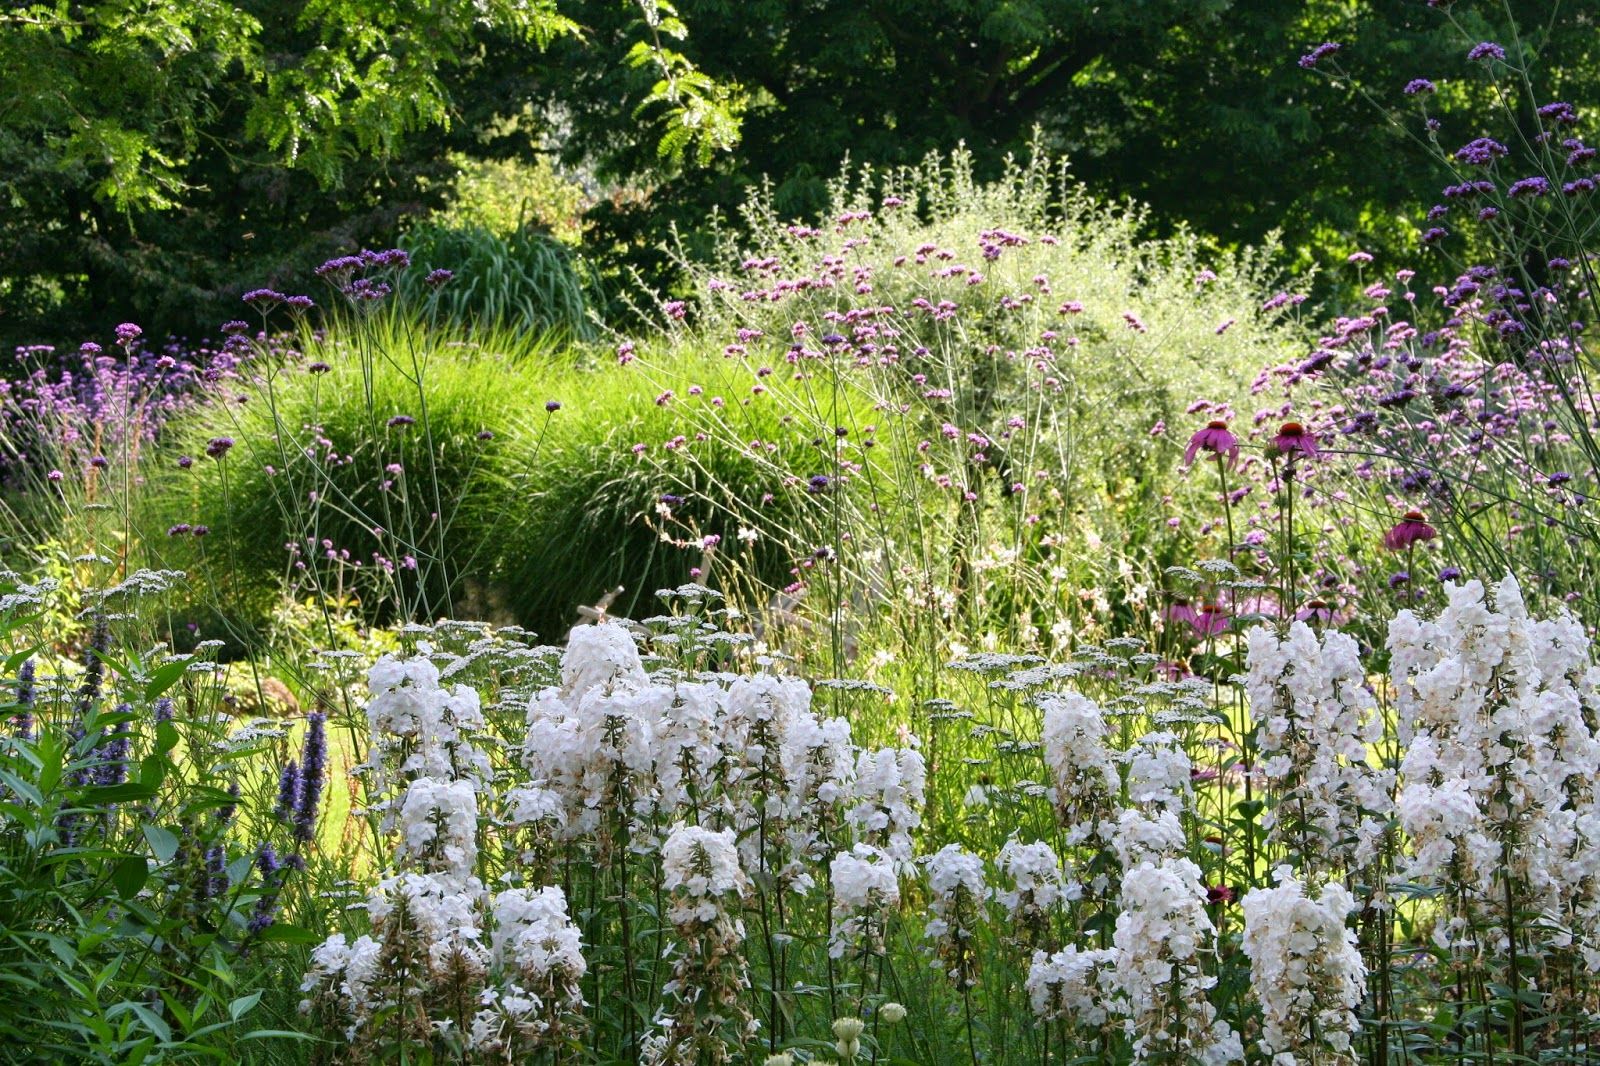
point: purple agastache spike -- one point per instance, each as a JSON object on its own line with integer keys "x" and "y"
{"x": 226, "y": 812}
{"x": 25, "y": 698}
{"x": 113, "y": 766}
{"x": 288, "y": 791}
{"x": 313, "y": 763}
{"x": 163, "y": 709}
{"x": 216, "y": 871}
{"x": 271, "y": 871}
{"x": 94, "y": 666}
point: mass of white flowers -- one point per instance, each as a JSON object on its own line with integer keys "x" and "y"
{"x": 1083, "y": 770}
{"x": 957, "y": 892}
{"x": 439, "y": 827}
{"x": 1038, "y": 886}
{"x": 1160, "y": 772}
{"x": 1074, "y": 985}
{"x": 600, "y": 657}
{"x": 1499, "y": 776}
{"x": 866, "y": 884}
{"x": 1305, "y": 968}
{"x": 538, "y": 953}
{"x": 1317, "y": 721}
{"x": 887, "y": 797}
{"x": 702, "y": 869}
{"x": 1161, "y": 934}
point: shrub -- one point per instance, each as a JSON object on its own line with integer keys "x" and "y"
{"x": 1020, "y": 351}
{"x": 148, "y": 840}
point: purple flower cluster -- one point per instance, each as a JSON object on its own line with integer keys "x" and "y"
{"x": 1319, "y": 53}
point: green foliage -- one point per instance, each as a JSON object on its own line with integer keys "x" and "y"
{"x": 156, "y": 159}
{"x": 507, "y": 195}
{"x": 521, "y": 281}
{"x": 138, "y": 910}
{"x": 1197, "y": 108}
{"x": 539, "y": 511}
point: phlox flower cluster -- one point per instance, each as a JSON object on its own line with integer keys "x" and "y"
{"x": 706, "y": 1020}
{"x": 1317, "y": 721}
{"x": 1161, "y": 935}
{"x": 1038, "y": 887}
{"x": 1498, "y": 779}
{"x": 612, "y": 754}
{"x": 1075, "y": 985}
{"x": 1084, "y": 772}
{"x": 1305, "y": 969}
{"x": 444, "y": 958}
{"x": 866, "y": 886}
{"x": 957, "y": 895}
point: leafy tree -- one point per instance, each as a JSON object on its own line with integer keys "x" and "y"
{"x": 156, "y": 156}
{"x": 1197, "y": 106}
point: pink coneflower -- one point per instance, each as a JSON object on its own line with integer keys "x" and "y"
{"x": 1210, "y": 620}
{"x": 1214, "y": 438}
{"x": 1181, "y": 611}
{"x": 1315, "y": 611}
{"x": 1218, "y": 894}
{"x": 1294, "y": 439}
{"x": 1410, "y": 530}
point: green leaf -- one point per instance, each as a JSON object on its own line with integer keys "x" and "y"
{"x": 130, "y": 875}
{"x": 165, "y": 677}
{"x": 129, "y": 792}
{"x": 163, "y": 842}
{"x": 287, "y": 933}
{"x": 166, "y": 737}
{"x": 243, "y": 1005}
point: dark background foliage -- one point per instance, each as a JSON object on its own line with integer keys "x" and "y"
{"x": 147, "y": 176}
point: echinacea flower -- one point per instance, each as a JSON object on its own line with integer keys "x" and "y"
{"x": 1214, "y": 438}
{"x": 1412, "y": 529}
{"x": 1210, "y": 620}
{"x": 1293, "y": 439}
{"x": 1315, "y": 611}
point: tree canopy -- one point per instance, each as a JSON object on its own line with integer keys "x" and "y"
{"x": 158, "y": 156}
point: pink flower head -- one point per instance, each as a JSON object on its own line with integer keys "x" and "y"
{"x": 1294, "y": 439}
{"x": 1411, "y": 529}
{"x": 1213, "y": 438}
{"x": 1210, "y": 620}
{"x": 1181, "y": 611}
{"x": 1319, "y": 611}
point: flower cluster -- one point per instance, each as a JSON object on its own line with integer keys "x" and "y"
{"x": 1318, "y": 722}
{"x": 1305, "y": 969}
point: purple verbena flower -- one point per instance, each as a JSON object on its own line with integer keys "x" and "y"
{"x": 1319, "y": 53}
